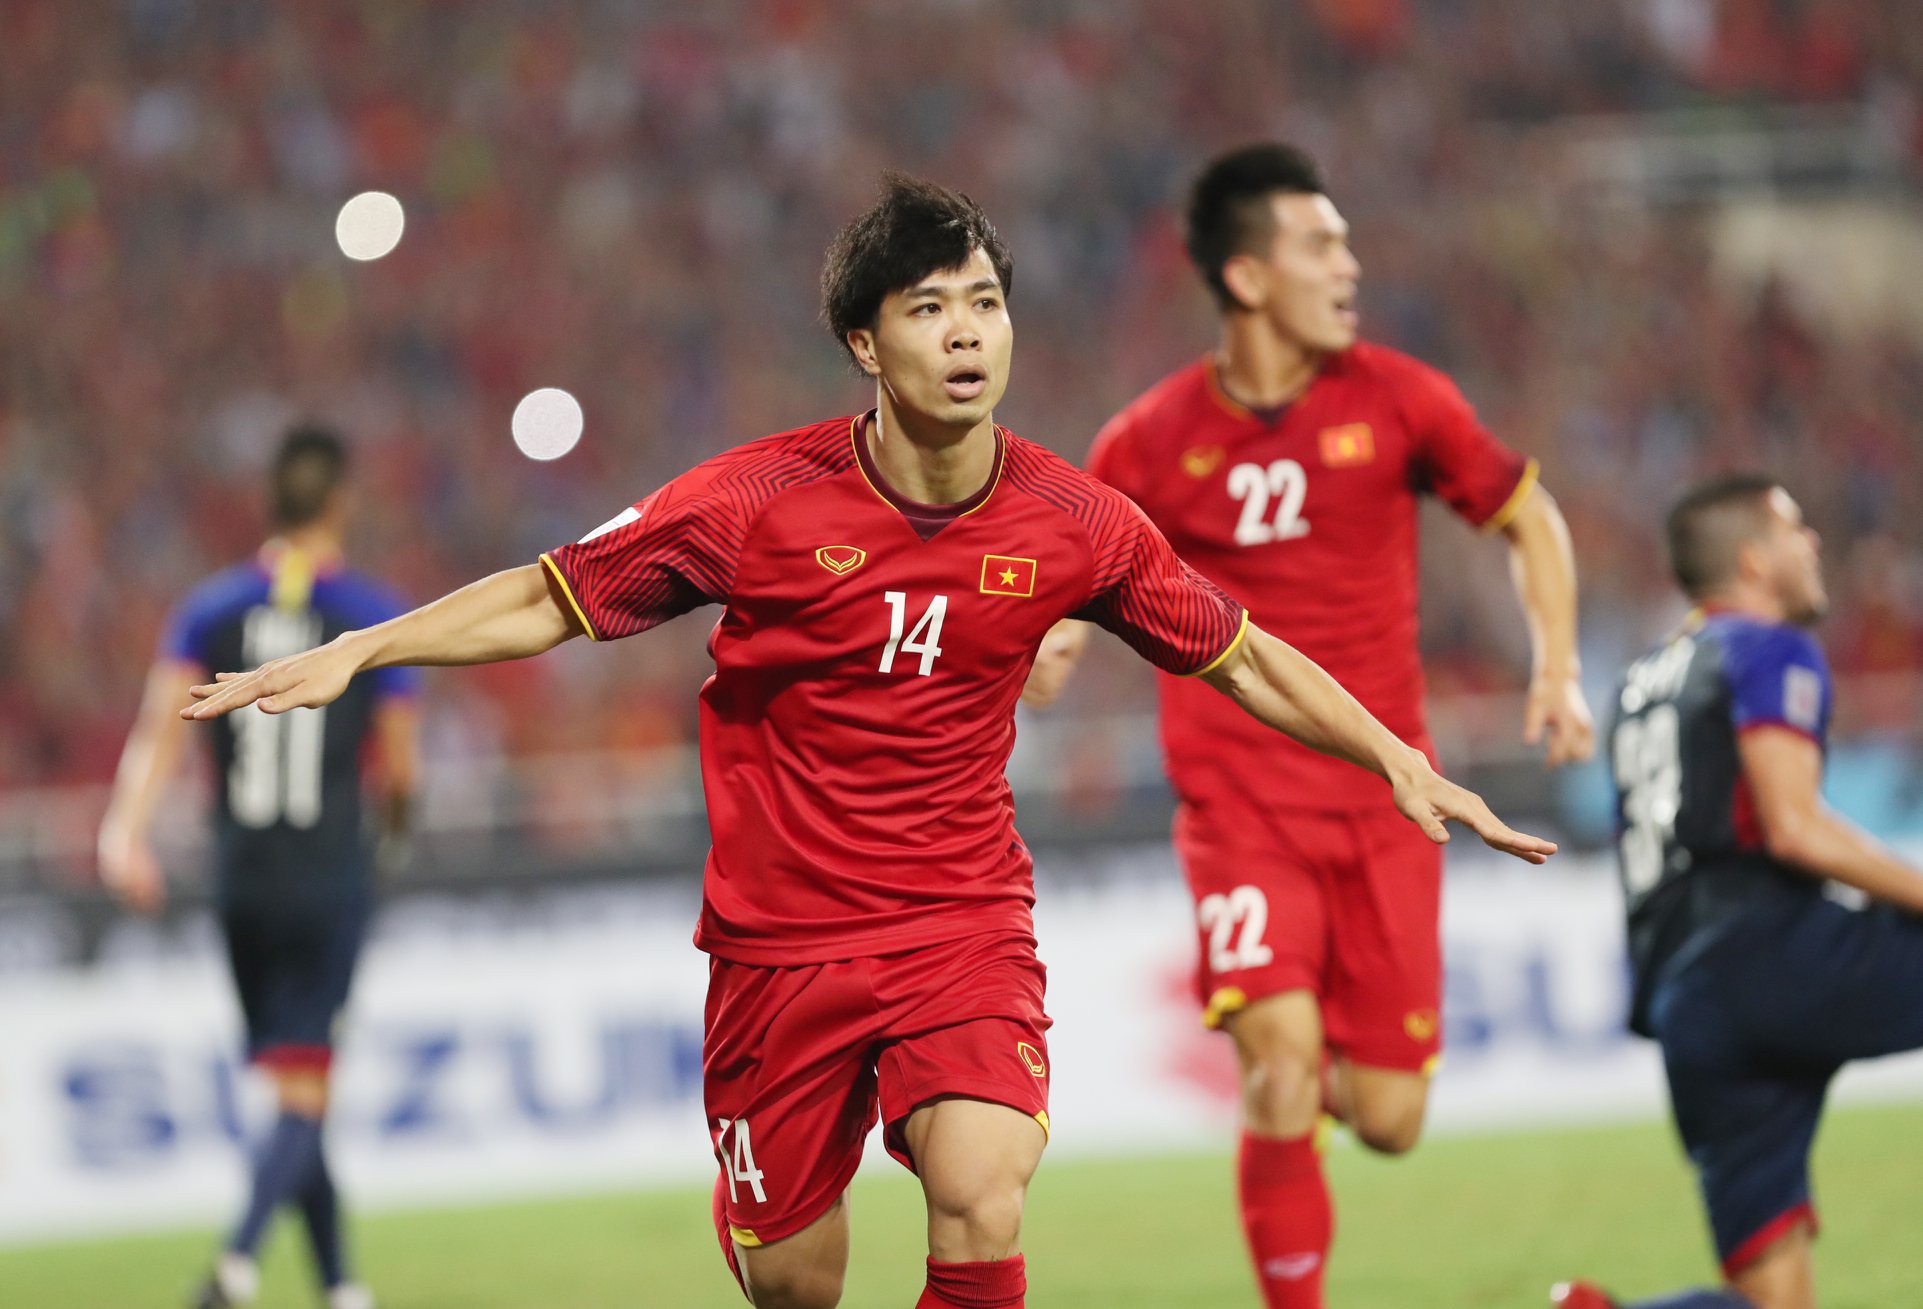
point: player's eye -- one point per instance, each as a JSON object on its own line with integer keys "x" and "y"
{"x": 988, "y": 302}
{"x": 925, "y": 308}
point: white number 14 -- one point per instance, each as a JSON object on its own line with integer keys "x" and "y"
{"x": 925, "y": 640}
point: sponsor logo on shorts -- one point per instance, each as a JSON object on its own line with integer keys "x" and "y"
{"x": 1421, "y": 1024}
{"x": 841, "y": 560}
{"x": 1032, "y": 1057}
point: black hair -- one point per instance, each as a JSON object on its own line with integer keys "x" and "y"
{"x": 915, "y": 229}
{"x": 1711, "y": 524}
{"x": 1228, "y": 210}
{"x": 309, "y": 466}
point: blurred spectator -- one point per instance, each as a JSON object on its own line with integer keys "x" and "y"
{"x": 630, "y": 201}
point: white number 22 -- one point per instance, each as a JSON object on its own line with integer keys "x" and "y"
{"x": 1286, "y": 483}
{"x": 1218, "y": 915}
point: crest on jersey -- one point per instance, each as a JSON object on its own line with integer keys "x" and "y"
{"x": 1008, "y": 575}
{"x": 1199, "y": 461}
{"x": 1802, "y": 697}
{"x": 1032, "y": 1058}
{"x": 1347, "y": 445}
{"x": 841, "y": 560}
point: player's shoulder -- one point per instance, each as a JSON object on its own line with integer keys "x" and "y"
{"x": 358, "y": 596}
{"x": 1751, "y": 645}
{"x": 231, "y": 590}
{"x": 1039, "y": 472}
{"x": 1170, "y": 404}
{"x": 1372, "y": 363}
{"x": 759, "y": 469}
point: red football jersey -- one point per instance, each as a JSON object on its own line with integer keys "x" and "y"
{"x": 856, "y": 730}
{"x": 1308, "y": 517}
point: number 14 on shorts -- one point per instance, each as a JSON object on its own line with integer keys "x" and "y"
{"x": 732, "y": 1147}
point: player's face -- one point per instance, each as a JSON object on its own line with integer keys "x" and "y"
{"x": 1306, "y": 286}
{"x": 1795, "y": 561}
{"x": 941, "y": 348}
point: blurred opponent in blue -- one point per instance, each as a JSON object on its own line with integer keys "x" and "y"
{"x": 294, "y": 849}
{"x": 1772, "y": 942}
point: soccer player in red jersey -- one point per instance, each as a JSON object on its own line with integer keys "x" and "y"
{"x": 1286, "y": 467}
{"x": 885, "y": 579}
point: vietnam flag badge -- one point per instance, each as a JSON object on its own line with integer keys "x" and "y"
{"x": 1347, "y": 445}
{"x": 1007, "y": 575}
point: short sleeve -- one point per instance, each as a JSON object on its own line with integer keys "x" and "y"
{"x": 1115, "y": 458}
{"x": 1168, "y": 613}
{"x": 1779, "y": 678}
{"x": 1476, "y": 475}
{"x": 672, "y": 552}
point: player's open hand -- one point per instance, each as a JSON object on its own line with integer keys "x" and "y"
{"x": 1427, "y": 799}
{"x": 1557, "y": 711}
{"x": 297, "y": 682}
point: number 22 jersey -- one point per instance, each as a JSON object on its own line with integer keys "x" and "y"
{"x": 1307, "y": 516}
{"x": 857, "y": 727}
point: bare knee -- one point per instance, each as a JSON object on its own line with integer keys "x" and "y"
{"x": 982, "y": 1226}
{"x": 796, "y": 1288}
{"x": 1281, "y": 1093}
{"x": 1392, "y": 1128}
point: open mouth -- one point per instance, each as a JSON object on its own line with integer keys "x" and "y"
{"x": 1345, "y": 310}
{"x": 965, "y": 383}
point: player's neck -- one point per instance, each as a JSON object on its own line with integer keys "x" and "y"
{"x": 928, "y": 462}
{"x": 1259, "y": 368}
{"x": 1749, "y": 601}
{"x": 321, "y": 545}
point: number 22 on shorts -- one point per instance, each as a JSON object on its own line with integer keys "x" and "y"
{"x": 737, "y": 1156}
{"x": 1219, "y": 915}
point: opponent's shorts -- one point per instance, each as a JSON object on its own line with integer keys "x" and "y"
{"x": 293, "y": 964}
{"x": 1344, "y": 904}
{"x": 1753, "y": 1028}
{"x": 799, "y": 1062}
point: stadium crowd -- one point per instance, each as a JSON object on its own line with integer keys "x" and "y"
{"x": 630, "y": 201}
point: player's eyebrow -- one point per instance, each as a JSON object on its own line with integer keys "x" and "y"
{"x": 939, "y": 289}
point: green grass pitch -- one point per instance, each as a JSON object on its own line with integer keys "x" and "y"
{"x": 1464, "y": 1223}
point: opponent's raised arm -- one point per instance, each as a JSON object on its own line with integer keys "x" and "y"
{"x": 1283, "y": 688}
{"x": 511, "y": 615}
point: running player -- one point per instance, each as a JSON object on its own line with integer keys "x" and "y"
{"x": 885, "y": 579}
{"x": 293, "y": 872}
{"x": 1757, "y": 969}
{"x": 1286, "y": 467}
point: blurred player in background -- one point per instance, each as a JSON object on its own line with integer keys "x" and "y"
{"x": 1286, "y": 467}
{"x": 293, "y": 877}
{"x": 1756, "y": 969}
{"x": 886, "y": 579}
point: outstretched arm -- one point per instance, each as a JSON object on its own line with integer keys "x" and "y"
{"x": 127, "y": 864}
{"x": 1784, "y": 770}
{"x": 1543, "y": 564}
{"x": 1289, "y": 692}
{"x": 510, "y": 615}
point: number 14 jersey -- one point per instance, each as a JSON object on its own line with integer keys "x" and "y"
{"x": 857, "y": 728}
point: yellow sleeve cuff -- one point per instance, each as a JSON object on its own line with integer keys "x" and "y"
{"x": 1241, "y": 632}
{"x": 1513, "y": 505}
{"x": 568, "y": 591}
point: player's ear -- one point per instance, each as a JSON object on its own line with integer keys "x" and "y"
{"x": 1244, "y": 281}
{"x": 861, "y": 341}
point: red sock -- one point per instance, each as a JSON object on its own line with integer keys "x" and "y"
{"x": 1287, "y": 1217}
{"x": 721, "y": 1230}
{"x": 1002, "y": 1284}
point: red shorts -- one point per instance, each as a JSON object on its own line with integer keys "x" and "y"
{"x": 1344, "y": 904}
{"x": 799, "y": 1062}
